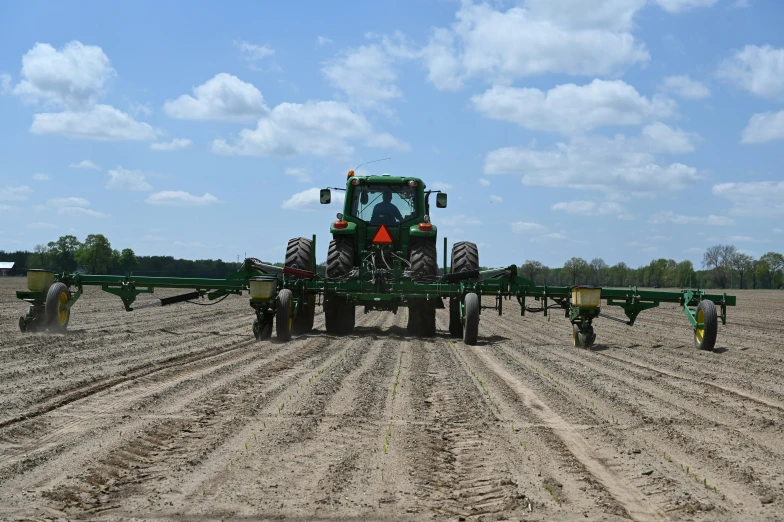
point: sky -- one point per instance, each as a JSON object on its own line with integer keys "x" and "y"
{"x": 622, "y": 129}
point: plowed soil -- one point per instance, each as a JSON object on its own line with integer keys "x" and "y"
{"x": 176, "y": 413}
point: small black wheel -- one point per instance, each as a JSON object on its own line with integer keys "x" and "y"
{"x": 705, "y": 336}
{"x": 455, "y": 326}
{"x": 265, "y": 334}
{"x": 56, "y": 317}
{"x": 422, "y": 319}
{"x": 471, "y": 326}
{"x": 284, "y": 315}
{"x": 583, "y": 338}
{"x": 339, "y": 318}
{"x": 22, "y": 324}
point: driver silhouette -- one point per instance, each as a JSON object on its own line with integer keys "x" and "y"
{"x": 386, "y": 212}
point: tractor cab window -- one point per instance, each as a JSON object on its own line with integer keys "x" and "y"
{"x": 387, "y": 204}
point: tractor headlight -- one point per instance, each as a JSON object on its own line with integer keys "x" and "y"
{"x": 586, "y": 296}
{"x": 263, "y": 287}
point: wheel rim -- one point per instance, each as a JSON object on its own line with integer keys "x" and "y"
{"x": 699, "y": 332}
{"x": 62, "y": 313}
{"x": 574, "y": 335}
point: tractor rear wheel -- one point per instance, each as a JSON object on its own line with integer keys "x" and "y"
{"x": 465, "y": 257}
{"x": 340, "y": 257}
{"x": 424, "y": 260}
{"x": 57, "y": 318}
{"x": 471, "y": 326}
{"x": 705, "y": 337}
{"x": 338, "y": 315}
{"x": 299, "y": 254}
{"x": 422, "y": 318}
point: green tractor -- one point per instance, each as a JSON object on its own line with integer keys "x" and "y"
{"x": 384, "y": 233}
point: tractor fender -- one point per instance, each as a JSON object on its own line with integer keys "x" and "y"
{"x": 415, "y": 232}
{"x": 351, "y": 228}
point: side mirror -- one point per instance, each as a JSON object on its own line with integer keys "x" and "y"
{"x": 325, "y": 196}
{"x": 441, "y": 200}
{"x": 363, "y": 197}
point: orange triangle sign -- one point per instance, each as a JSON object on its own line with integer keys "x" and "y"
{"x": 382, "y": 236}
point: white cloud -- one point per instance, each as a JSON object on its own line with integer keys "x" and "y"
{"x": 670, "y": 217}
{"x": 222, "y": 97}
{"x": 441, "y": 185}
{"x": 323, "y": 40}
{"x": 140, "y": 109}
{"x": 41, "y": 226}
{"x": 192, "y": 244}
{"x": 180, "y": 198}
{"x": 525, "y": 227}
{"x": 176, "y": 143}
{"x": 484, "y": 182}
{"x": 591, "y": 208}
{"x": 496, "y": 199}
{"x": 100, "y": 123}
{"x": 15, "y": 193}
{"x": 762, "y": 127}
{"x": 84, "y": 164}
{"x": 571, "y": 108}
{"x": 366, "y": 74}
{"x": 41, "y": 177}
{"x": 321, "y": 128}
{"x": 252, "y": 52}
{"x": 309, "y": 200}
{"x": 746, "y": 239}
{"x": 73, "y": 76}
{"x": 458, "y": 220}
{"x": 759, "y": 70}
{"x": 617, "y": 164}
{"x": 685, "y": 87}
{"x": 569, "y": 37}
{"x": 301, "y": 174}
{"x": 124, "y": 179}
{"x": 678, "y": 6}
{"x": 80, "y": 211}
{"x": 778, "y": 231}
{"x": 69, "y": 202}
{"x": 5, "y": 83}
{"x": 754, "y": 198}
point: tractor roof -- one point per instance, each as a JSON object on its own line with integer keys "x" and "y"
{"x": 387, "y": 179}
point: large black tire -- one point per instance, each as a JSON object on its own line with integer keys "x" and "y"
{"x": 705, "y": 339}
{"x": 338, "y": 315}
{"x": 471, "y": 326}
{"x": 465, "y": 257}
{"x": 424, "y": 260}
{"x": 299, "y": 254}
{"x": 56, "y": 319}
{"x": 284, "y": 315}
{"x": 340, "y": 257}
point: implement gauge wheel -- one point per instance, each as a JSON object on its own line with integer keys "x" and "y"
{"x": 22, "y": 324}
{"x": 56, "y": 317}
{"x": 284, "y": 315}
{"x": 705, "y": 336}
{"x": 471, "y": 326}
{"x": 261, "y": 332}
{"x": 584, "y": 339}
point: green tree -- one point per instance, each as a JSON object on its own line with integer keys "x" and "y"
{"x": 40, "y": 258}
{"x": 530, "y": 269}
{"x": 128, "y": 260}
{"x": 742, "y": 265}
{"x": 63, "y": 253}
{"x": 95, "y": 254}
{"x": 576, "y": 268}
{"x": 598, "y": 271}
{"x": 717, "y": 259}
{"x": 683, "y": 275}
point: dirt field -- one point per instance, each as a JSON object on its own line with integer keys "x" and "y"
{"x": 177, "y": 413}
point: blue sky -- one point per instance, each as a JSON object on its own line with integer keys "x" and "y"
{"x": 622, "y": 129}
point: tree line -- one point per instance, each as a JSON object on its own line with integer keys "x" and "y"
{"x": 722, "y": 266}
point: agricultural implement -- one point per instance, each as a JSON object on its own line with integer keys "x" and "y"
{"x": 382, "y": 257}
